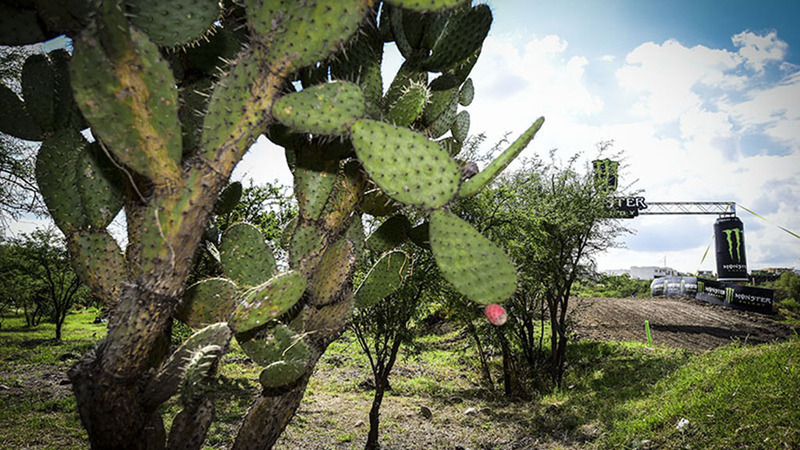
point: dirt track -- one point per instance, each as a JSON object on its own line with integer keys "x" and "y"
{"x": 674, "y": 322}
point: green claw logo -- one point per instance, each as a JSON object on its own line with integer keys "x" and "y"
{"x": 734, "y": 233}
{"x": 605, "y": 173}
{"x": 729, "y": 295}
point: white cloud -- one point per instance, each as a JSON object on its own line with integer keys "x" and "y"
{"x": 759, "y": 50}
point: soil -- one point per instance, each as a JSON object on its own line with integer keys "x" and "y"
{"x": 674, "y": 322}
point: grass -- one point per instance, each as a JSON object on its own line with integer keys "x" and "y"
{"x": 614, "y": 395}
{"x": 33, "y": 391}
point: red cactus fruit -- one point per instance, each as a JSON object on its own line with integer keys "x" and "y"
{"x": 496, "y": 314}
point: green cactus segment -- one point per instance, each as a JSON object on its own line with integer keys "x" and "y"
{"x": 14, "y": 117}
{"x": 131, "y": 103}
{"x": 47, "y": 91}
{"x": 245, "y": 257}
{"x": 461, "y": 126}
{"x": 427, "y": 5}
{"x": 405, "y": 164}
{"x": 194, "y": 100}
{"x": 200, "y": 369}
{"x": 355, "y": 234}
{"x": 314, "y": 178}
{"x": 169, "y": 378}
{"x": 406, "y": 76}
{"x": 171, "y": 24}
{"x": 484, "y": 177}
{"x": 328, "y": 108}
{"x": 264, "y": 303}
{"x": 389, "y": 235}
{"x": 462, "y": 36}
{"x": 305, "y": 246}
{"x": 345, "y": 196}
{"x": 305, "y": 32}
{"x": 383, "y": 279}
{"x": 409, "y": 105}
{"x": 228, "y": 198}
{"x": 376, "y": 203}
{"x": 38, "y": 89}
{"x": 279, "y": 344}
{"x": 467, "y": 93}
{"x": 98, "y": 261}
{"x": 100, "y": 186}
{"x": 360, "y": 63}
{"x": 332, "y": 272}
{"x": 206, "y": 302}
{"x": 420, "y": 235}
{"x": 284, "y": 356}
{"x": 56, "y": 176}
{"x": 451, "y": 145}
{"x": 228, "y": 107}
{"x": 473, "y": 264}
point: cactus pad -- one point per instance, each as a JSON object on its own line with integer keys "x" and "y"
{"x": 56, "y": 176}
{"x": 199, "y": 369}
{"x": 14, "y": 117}
{"x": 408, "y": 107}
{"x": 473, "y": 264}
{"x": 383, "y": 279}
{"x": 405, "y": 164}
{"x": 483, "y": 178}
{"x": 462, "y": 36}
{"x": 389, "y": 235}
{"x": 305, "y": 246}
{"x": 305, "y": 32}
{"x": 132, "y": 104}
{"x": 378, "y": 204}
{"x": 265, "y": 302}
{"x": 467, "y": 93}
{"x": 100, "y": 186}
{"x": 206, "y": 302}
{"x": 461, "y": 126}
{"x": 420, "y": 235}
{"x": 285, "y": 357}
{"x": 332, "y": 272}
{"x": 228, "y": 198}
{"x": 99, "y": 262}
{"x": 427, "y": 5}
{"x": 38, "y": 90}
{"x": 171, "y": 24}
{"x": 168, "y": 380}
{"x": 328, "y": 108}
{"x": 245, "y": 257}
{"x": 314, "y": 178}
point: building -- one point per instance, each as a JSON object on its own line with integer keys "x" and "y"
{"x": 645, "y": 272}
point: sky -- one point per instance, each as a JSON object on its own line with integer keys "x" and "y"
{"x": 701, "y": 97}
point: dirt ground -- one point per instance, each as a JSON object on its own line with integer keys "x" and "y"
{"x": 674, "y": 322}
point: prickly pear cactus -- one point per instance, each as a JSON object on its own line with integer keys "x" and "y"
{"x": 173, "y": 96}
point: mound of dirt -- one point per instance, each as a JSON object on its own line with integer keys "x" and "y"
{"x": 674, "y": 322}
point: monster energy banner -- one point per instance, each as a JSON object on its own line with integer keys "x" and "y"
{"x": 735, "y": 296}
{"x": 729, "y": 243}
{"x": 605, "y": 174}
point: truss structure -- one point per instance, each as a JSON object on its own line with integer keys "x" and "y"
{"x": 664, "y": 208}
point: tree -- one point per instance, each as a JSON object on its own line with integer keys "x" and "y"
{"x": 381, "y": 325}
{"x": 169, "y": 127}
{"x": 52, "y": 286}
{"x": 18, "y": 192}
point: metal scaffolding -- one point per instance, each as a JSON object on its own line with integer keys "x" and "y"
{"x": 665, "y": 208}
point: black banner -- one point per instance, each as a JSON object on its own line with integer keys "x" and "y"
{"x": 736, "y": 296}
{"x": 729, "y": 245}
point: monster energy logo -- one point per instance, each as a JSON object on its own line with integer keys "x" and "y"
{"x": 605, "y": 173}
{"x": 729, "y": 293}
{"x": 701, "y": 287}
{"x": 734, "y": 234}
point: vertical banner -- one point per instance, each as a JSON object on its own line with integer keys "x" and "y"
{"x": 606, "y": 174}
{"x": 729, "y": 244}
